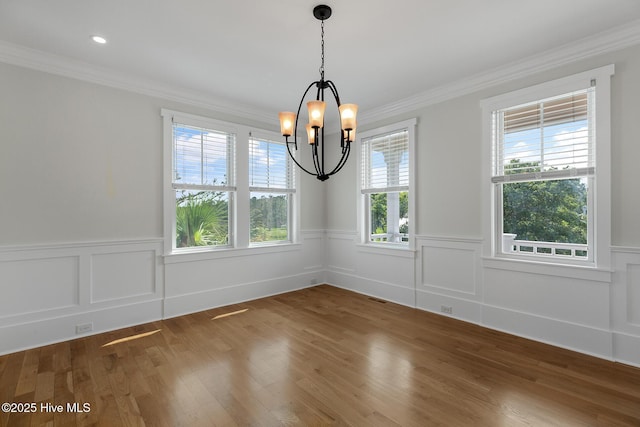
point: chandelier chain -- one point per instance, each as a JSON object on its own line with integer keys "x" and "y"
{"x": 322, "y": 49}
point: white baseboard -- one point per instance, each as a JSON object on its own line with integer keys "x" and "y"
{"x": 463, "y": 309}
{"x": 199, "y": 301}
{"x": 626, "y": 349}
{"x": 41, "y": 332}
{"x": 571, "y": 336}
{"x": 386, "y": 291}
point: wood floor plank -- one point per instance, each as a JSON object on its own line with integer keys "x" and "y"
{"x": 318, "y": 356}
{"x": 9, "y": 377}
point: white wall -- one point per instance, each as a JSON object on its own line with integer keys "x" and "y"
{"x": 593, "y": 312}
{"x": 81, "y": 217}
{"x": 79, "y": 161}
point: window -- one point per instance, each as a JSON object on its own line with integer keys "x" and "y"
{"x": 386, "y": 181}
{"x": 271, "y": 185}
{"x": 202, "y": 179}
{"x": 226, "y": 186}
{"x": 547, "y": 162}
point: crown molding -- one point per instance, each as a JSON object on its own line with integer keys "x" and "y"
{"x": 608, "y": 41}
{"x": 55, "y": 64}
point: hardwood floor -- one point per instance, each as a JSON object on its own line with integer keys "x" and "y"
{"x": 319, "y": 356}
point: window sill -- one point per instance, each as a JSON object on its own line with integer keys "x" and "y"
{"x": 403, "y": 251}
{"x": 581, "y": 272}
{"x": 221, "y": 253}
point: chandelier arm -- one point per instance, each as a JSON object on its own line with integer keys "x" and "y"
{"x": 296, "y": 162}
{"x": 322, "y": 146}
{"x": 304, "y": 95}
{"x": 320, "y": 91}
{"x": 295, "y": 131}
{"x": 334, "y": 90}
{"x": 343, "y": 160}
{"x": 316, "y": 160}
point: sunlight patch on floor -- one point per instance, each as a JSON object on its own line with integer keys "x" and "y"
{"x": 132, "y": 337}
{"x": 233, "y": 313}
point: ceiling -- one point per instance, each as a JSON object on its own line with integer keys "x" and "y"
{"x": 261, "y": 55}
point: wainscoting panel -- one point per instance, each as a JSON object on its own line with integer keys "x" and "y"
{"x": 340, "y": 251}
{"x": 569, "y": 312}
{"x": 392, "y": 266}
{"x": 122, "y": 275}
{"x": 450, "y": 266}
{"x": 376, "y": 271}
{"x": 228, "y": 277}
{"x": 449, "y": 277}
{"x": 451, "y": 269}
{"x": 51, "y": 293}
{"x": 633, "y": 294}
{"x": 56, "y": 292}
{"x": 564, "y": 299}
{"x": 313, "y": 251}
{"x": 625, "y": 297}
{"x": 38, "y": 284}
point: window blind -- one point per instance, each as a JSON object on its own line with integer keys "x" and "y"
{"x": 385, "y": 165}
{"x": 269, "y": 167}
{"x": 547, "y": 139}
{"x": 203, "y": 158}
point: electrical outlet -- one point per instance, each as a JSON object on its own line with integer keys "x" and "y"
{"x": 85, "y": 327}
{"x": 446, "y": 309}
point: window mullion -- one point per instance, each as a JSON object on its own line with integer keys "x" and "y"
{"x": 542, "y": 136}
{"x": 202, "y": 162}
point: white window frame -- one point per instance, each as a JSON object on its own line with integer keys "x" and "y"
{"x": 363, "y": 209}
{"x": 239, "y": 220}
{"x": 600, "y": 212}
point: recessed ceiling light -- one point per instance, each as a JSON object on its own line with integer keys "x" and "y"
{"x": 99, "y": 39}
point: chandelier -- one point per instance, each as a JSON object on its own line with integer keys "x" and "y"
{"x": 315, "y": 128}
